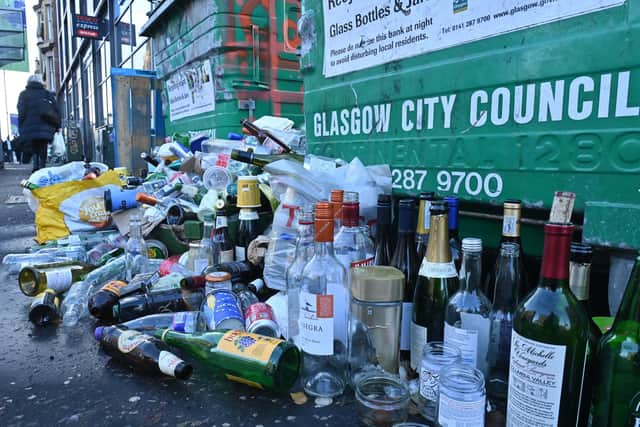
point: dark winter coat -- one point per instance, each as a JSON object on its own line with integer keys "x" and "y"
{"x": 30, "y": 108}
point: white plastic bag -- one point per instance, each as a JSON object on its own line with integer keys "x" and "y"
{"x": 71, "y": 171}
{"x": 58, "y": 147}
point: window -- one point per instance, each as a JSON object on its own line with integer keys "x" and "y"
{"x": 49, "y": 15}
{"x": 40, "y": 31}
{"x": 51, "y": 73}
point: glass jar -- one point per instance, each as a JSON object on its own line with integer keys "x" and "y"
{"x": 435, "y": 356}
{"x": 382, "y": 400}
{"x": 462, "y": 396}
{"x": 198, "y": 258}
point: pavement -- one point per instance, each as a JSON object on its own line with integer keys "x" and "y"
{"x": 59, "y": 376}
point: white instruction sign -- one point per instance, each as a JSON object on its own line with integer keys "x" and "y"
{"x": 361, "y": 34}
{"x": 190, "y": 91}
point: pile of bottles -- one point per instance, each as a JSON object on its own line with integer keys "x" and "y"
{"x": 403, "y": 314}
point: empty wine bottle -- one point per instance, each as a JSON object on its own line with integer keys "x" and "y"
{"x": 454, "y": 239}
{"x": 45, "y": 308}
{"x": 102, "y": 302}
{"x": 57, "y": 276}
{"x": 579, "y": 280}
{"x": 424, "y": 219}
{"x": 141, "y": 351}
{"x": 250, "y": 359}
{"x": 384, "y": 244}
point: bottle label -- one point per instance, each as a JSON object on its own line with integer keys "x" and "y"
{"x": 248, "y": 346}
{"x": 114, "y": 286}
{"x": 429, "y": 383}
{"x": 427, "y": 215}
{"x": 362, "y": 263}
{"x": 510, "y": 226}
{"x": 438, "y": 269}
{"x": 535, "y": 382}
{"x": 316, "y": 324}
{"x": 59, "y": 280}
{"x": 226, "y": 256}
{"x": 405, "y": 331}
{"x": 243, "y": 381}
{"x": 221, "y": 306}
{"x": 464, "y": 339}
{"x": 248, "y": 214}
{"x": 418, "y": 340}
{"x": 184, "y": 322}
{"x": 167, "y": 363}
{"x": 129, "y": 340}
{"x": 454, "y": 412}
{"x": 240, "y": 253}
{"x": 221, "y": 222}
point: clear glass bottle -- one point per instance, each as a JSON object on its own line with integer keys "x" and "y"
{"x": 136, "y": 252}
{"x": 353, "y": 246}
{"x": 208, "y": 238}
{"x": 305, "y": 248}
{"x": 324, "y": 305}
{"x": 337, "y": 196}
{"x": 462, "y": 396}
{"x": 467, "y": 325}
{"x": 505, "y": 301}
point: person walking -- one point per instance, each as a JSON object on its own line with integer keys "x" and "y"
{"x": 38, "y": 119}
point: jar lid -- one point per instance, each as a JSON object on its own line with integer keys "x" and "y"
{"x": 377, "y": 284}
{"x": 217, "y": 276}
{"x": 380, "y": 391}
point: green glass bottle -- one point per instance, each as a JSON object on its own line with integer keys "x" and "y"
{"x": 550, "y": 345}
{"x": 437, "y": 279}
{"x": 34, "y": 280}
{"x": 616, "y": 395}
{"x": 255, "y": 360}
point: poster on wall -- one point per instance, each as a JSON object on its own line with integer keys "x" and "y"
{"x": 190, "y": 91}
{"x": 359, "y": 34}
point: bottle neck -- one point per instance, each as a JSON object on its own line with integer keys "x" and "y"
{"x": 511, "y": 224}
{"x": 554, "y": 272}
{"x": 135, "y": 230}
{"x": 208, "y": 230}
{"x": 221, "y": 222}
{"x": 423, "y": 217}
{"x": 507, "y": 281}
{"x": 350, "y": 214}
{"x": 579, "y": 280}
{"x": 438, "y": 250}
{"x": 324, "y": 248}
{"x": 630, "y": 305}
{"x": 248, "y": 214}
{"x": 471, "y": 271}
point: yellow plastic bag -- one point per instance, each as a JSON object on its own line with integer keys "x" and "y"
{"x": 74, "y": 206}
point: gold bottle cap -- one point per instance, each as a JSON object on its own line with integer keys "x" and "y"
{"x": 248, "y": 192}
{"x": 377, "y": 284}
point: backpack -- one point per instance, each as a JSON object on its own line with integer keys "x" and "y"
{"x": 49, "y": 111}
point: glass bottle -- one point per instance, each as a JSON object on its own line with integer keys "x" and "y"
{"x": 305, "y": 249}
{"x": 141, "y": 351}
{"x": 454, "y": 239}
{"x": 55, "y": 276}
{"x": 45, "y": 308}
{"x": 437, "y": 279}
{"x": 264, "y": 135}
{"x": 424, "y": 220}
{"x": 353, "y": 246}
{"x": 467, "y": 325}
{"x": 404, "y": 259}
{"x": 163, "y": 209}
{"x": 136, "y": 252}
{"x": 247, "y": 232}
{"x": 337, "y": 196}
{"x": 137, "y": 305}
{"x": 384, "y": 244}
{"x": 616, "y": 394}
{"x": 251, "y": 158}
{"x": 579, "y": 278}
{"x": 254, "y": 360}
{"x": 324, "y": 305}
{"x": 550, "y": 340}
{"x": 510, "y": 233}
{"x": 507, "y": 283}
{"x": 222, "y": 237}
{"x": 208, "y": 238}
{"x": 183, "y": 321}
